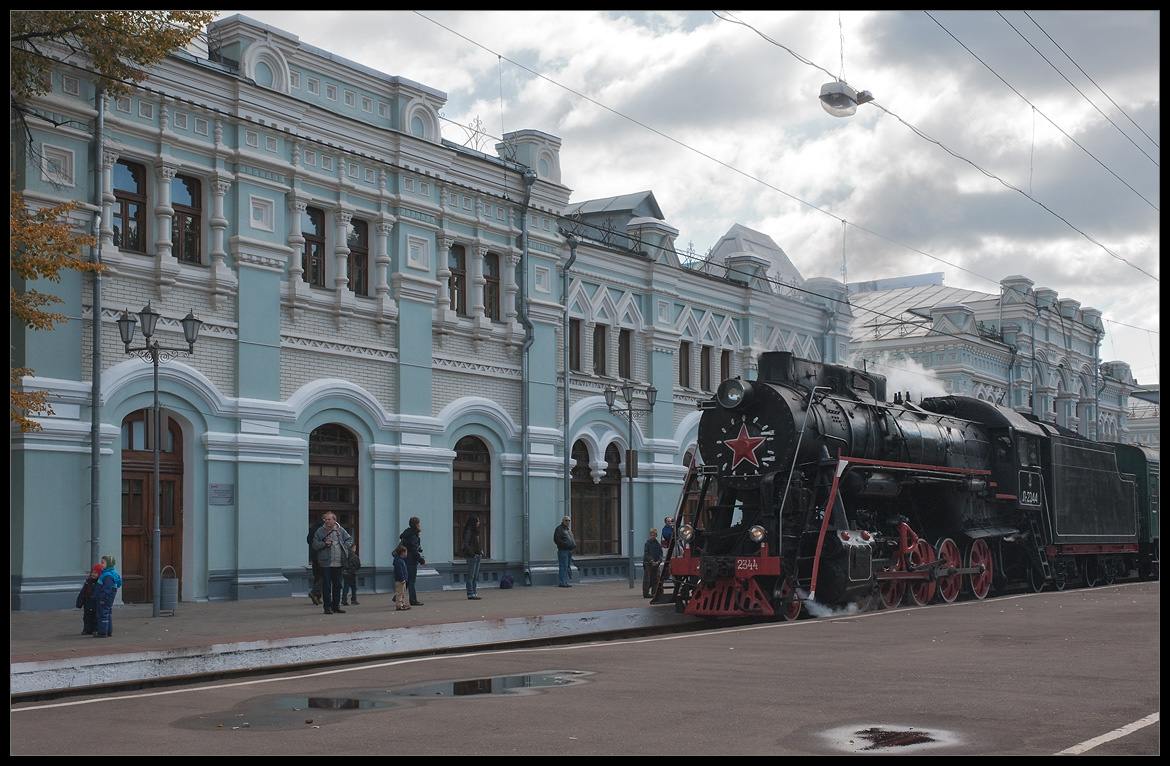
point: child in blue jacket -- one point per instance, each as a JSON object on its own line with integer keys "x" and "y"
{"x": 87, "y": 602}
{"x": 400, "y": 577}
{"x": 104, "y": 592}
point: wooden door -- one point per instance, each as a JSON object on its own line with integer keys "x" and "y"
{"x": 136, "y": 562}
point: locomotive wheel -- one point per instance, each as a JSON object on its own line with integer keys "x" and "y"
{"x": 892, "y": 591}
{"x": 788, "y": 604}
{"x": 921, "y": 592}
{"x": 1091, "y": 571}
{"x": 949, "y": 587}
{"x": 1109, "y": 572}
{"x": 1035, "y": 579}
{"x": 1059, "y": 582}
{"x": 978, "y": 553}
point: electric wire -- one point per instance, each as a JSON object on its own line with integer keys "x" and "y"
{"x": 1040, "y": 111}
{"x": 953, "y": 153}
{"x": 778, "y": 282}
{"x": 1090, "y": 79}
{"x": 1074, "y": 87}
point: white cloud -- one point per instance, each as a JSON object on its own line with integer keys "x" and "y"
{"x": 719, "y": 89}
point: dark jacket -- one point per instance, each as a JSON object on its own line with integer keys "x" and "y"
{"x": 652, "y": 553}
{"x": 471, "y": 546}
{"x": 563, "y": 538}
{"x": 413, "y": 543}
{"x": 352, "y": 564}
{"x": 309, "y": 539}
{"x": 86, "y": 594}
{"x": 400, "y": 573}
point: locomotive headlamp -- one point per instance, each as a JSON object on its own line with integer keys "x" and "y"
{"x": 756, "y": 533}
{"x": 687, "y": 532}
{"x": 734, "y": 393}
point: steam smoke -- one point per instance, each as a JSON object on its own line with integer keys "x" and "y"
{"x": 824, "y": 610}
{"x": 902, "y": 374}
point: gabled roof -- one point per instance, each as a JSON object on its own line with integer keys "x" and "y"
{"x": 639, "y": 204}
{"x": 741, "y": 239}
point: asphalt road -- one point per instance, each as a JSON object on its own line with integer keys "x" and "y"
{"x": 1076, "y": 671}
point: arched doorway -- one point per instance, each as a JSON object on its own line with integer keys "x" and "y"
{"x": 596, "y": 506}
{"x": 136, "y": 564}
{"x": 471, "y": 491}
{"x": 333, "y": 477}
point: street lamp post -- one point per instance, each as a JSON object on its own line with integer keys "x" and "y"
{"x": 155, "y": 353}
{"x": 631, "y": 453}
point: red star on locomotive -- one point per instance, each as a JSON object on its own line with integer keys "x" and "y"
{"x": 743, "y": 447}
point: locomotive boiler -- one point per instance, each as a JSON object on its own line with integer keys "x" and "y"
{"x": 810, "y": 485}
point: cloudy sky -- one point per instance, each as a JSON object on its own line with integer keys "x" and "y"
{"x": 997, "y": 144}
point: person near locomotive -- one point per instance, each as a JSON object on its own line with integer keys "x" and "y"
{"x": 315, "y": 589}
{"x": 411, "y": 537}
{"x": 651, "y": 562}
{"x": 667, "y": 532}
{"x": 472, "y": 552}
{"x": 104, "y": 592}
{"x": 349, "y": 586}
{"x": 87, "y": 603}
{"x": 565, "y": 542}
{"x": 331, "y": 542}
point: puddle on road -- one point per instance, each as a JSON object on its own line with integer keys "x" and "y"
{"x": 886, "y": 738}
{"x": 286, "y": 712}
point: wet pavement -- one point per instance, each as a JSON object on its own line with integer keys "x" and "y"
{"x": 48, "y": 651}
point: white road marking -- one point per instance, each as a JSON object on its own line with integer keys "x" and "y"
{"x": 1124, "y": 731}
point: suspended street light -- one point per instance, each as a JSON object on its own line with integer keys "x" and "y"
{"x": 840, "y": 99}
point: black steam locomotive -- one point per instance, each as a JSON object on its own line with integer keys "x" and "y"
{"x": 810, "y": 485}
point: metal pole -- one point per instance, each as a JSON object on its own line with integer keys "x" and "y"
{"x": 95, "y": 398}
{"x": 630, "y": 475}
{"x": 156, "y": 541}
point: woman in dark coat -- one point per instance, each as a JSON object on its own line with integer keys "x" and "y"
{"x": 473, "y": 552}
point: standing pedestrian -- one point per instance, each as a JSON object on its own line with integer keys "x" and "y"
{"x": 104, "y": 591}
{"x": 401, "y": 575}
{"x": 472, "y": 552}
{"x": 315, "y": 588}
{"x": 87, "y": 602}
{"x": 331, "y": 543}
{"x": 651, "y": 561}
{"x": 349, "y": 588}
{"x": 412, "y": 539}
{"x": 667, "y": 532}
{"x": 563, "y": 539}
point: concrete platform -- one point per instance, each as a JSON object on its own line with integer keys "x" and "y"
{"x": 49, "y": 653}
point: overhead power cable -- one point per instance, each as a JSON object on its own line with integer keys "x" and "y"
{"x": 1074, "y": 87}
{"x": 953, "y": 153}
{"x": 1090, "y": 79}
{"x": 1040, "y": 112}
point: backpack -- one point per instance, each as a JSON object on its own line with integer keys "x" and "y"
{"x": 506, "y": 582}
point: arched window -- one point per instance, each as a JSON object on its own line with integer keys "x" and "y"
{"x": 333, "y": 476}
{"x": 471, "y": 491}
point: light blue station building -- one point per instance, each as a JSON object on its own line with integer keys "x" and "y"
{"x": 393, "y": 326}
